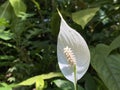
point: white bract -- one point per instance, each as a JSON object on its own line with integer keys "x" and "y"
{"x": 71, "y": 41}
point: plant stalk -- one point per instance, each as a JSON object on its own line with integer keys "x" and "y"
{"x": 75, "y": 80}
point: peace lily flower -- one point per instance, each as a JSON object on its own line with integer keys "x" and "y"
{"x": 73, "y": 53}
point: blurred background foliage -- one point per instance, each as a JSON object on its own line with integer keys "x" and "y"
{"x": 28, "y": 39}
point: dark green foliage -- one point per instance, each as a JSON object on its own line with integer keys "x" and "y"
{"x": 28, "y": 41}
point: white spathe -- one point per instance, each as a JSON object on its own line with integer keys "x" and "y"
{"x": 71, "y": 38}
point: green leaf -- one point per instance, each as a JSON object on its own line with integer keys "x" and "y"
{"x": 5, "y": 88}
{"x": 4, "y": 57}
{"x": 36, "y": 4}
{"x": 82, "y": 17}
{"x": 65, "y": 85}
{"x": 90, "y": 82}
{"x": 23, "y": 15}
{"x": 55, "y": 25}
{"x": 30, "y": 81}
{"x": 100, "y": 84}
{"x": 6, "y": 11}
{"x": 102, "y": 47}
{"x": 3, "y": 22}
{"x": 39, "y": 84}
{"x": 18, "y": 6}
{"x": 107, "y": 66}
{"x": 42, "y": 77}
{"x": 51, "y": 75}
{"x": 5, "y": 35}
{"x": 115, "y": 44}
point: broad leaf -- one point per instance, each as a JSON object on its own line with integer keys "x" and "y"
{"x": 82, "y": 17}
{"x": 18, "y": 6}
{"x": 107, "y": 66}
{"x": 6, "y": 11}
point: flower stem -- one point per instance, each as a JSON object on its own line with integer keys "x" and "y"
{"x": 75, "y": 80}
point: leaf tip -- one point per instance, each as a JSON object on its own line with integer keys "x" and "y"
{"x": 59, "y": 13}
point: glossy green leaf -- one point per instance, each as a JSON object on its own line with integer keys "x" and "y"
{"x": 82, "y": 17}
{"x": 107, "y": 66}
{"x": 18, "y": 6}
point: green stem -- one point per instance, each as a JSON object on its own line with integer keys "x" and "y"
{"x": 75, "y": 80}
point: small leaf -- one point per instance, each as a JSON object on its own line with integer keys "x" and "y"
{"x": 5, "y": 35}
{"x": 11, "y": 79}
{"x": 37, "y": 4}
{"x": 4, "y": 57}
{"x": 3, "y": 22}
{"x": 82, "y": 17}
{"x": 18, "y": 6}
{"x": 65, "y": 85}
{"x": 39, "y": 84}
{"x": 71, "y": 38}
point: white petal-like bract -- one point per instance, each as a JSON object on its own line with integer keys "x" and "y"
{"x": 71, "y": 38}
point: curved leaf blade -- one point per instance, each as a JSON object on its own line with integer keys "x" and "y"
{"x": 84, "y": 16}
{"x": 35, "y": 79}
{"x": 107, "y": 66}
{"x": 18, "y": 6}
